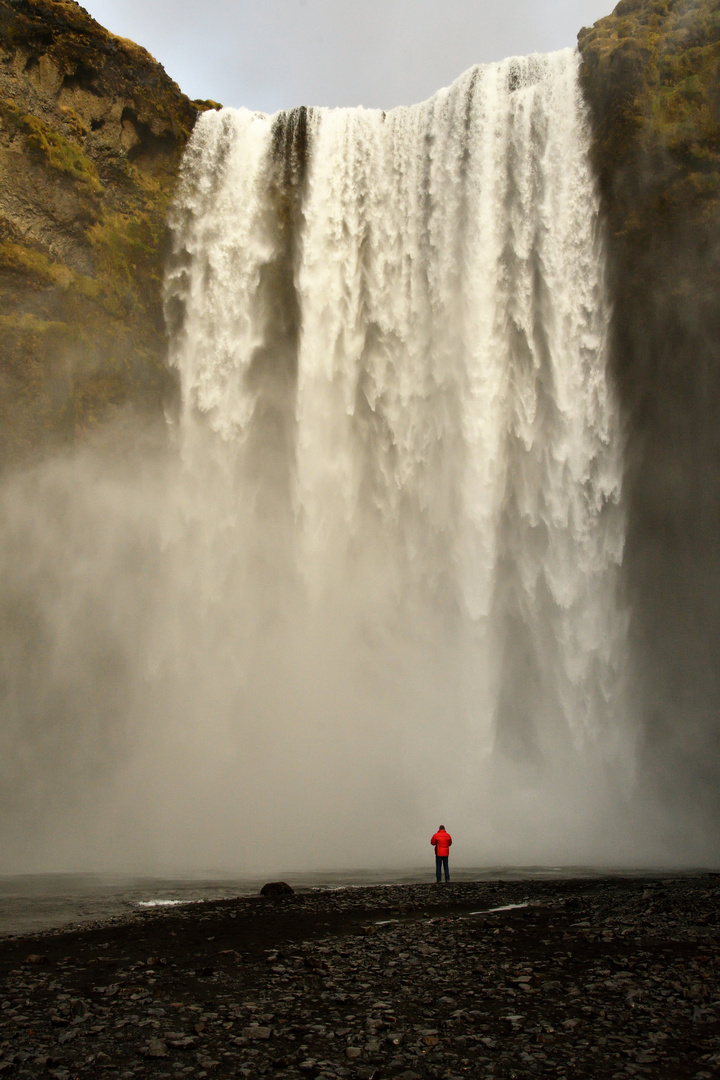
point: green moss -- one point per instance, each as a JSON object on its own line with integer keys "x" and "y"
{"x": 705, "y": 184}
{"x": 33, "y": 264}
{"x": 87, "y": 287}
{"x": 656, "y": 95}
{"x": 691, "y": 89}
{"x": 78, "y": 125}
{"x": 205, "y": 104}
{"x": 51, "y": 146}
{"x": 39, "y": 271}
{"x": 128, "y": 253}
{"x": 29, "y": 324}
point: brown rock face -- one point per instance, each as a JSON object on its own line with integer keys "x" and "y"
{"x": 91, "y": 135}
{"x": 652, "y": 76}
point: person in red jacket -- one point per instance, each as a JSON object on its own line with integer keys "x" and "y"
{"x": 441, "y": 841}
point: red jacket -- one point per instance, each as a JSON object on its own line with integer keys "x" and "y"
{"x": 441, "y": 841}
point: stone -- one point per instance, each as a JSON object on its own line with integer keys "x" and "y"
{"x": 178, "y": 1041}
{"x": 156, "y": 1048}
{"x": 274, "y": 889}
{"x": 257, "y": 1032}
{"x": 369, "y": 1006}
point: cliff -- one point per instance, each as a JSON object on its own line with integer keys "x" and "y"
{"x": 652, "y": 77}
{"x": 92, "y": 131}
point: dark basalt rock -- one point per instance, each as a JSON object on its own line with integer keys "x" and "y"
{"x": 621, "y": 982}
{"x": 275, "y": 889}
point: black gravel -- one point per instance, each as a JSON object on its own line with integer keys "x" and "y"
{"x": 593, "y": 978}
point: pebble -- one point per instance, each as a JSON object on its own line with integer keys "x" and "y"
{"x": 597, "y": 979}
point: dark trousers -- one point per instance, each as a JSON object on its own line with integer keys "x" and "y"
{"x": 441, "y": 863}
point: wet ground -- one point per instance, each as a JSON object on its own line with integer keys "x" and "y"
{"x": 596, "y": 978}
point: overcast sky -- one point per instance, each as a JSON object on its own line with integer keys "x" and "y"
{"x": 273, "y": 54}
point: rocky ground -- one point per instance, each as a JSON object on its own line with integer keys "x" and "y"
{"x": 592, "y": 978}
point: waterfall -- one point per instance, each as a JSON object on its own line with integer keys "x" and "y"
{"x": 390, "y": 329}
{"x": 373, "y": 583}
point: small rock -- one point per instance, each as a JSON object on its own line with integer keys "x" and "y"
{"x": 256, "y": 1031}
{"x": 277, "y": 888}
{"x": 156, "y": 1048}
{"x": 178, "y": 1041}
{"x": 353, "y": 1052}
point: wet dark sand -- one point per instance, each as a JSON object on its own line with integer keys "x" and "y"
{"x": 596, "y": 978}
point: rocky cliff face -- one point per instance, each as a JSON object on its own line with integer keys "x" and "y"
{"x": 652, "y": 76}
{"x": 91, "y": 135}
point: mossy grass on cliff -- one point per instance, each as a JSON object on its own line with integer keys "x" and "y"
{"x": 60, "y": 153}
{"x": 33, "y": 265}
{"x": 652, "y": 73}
{"x": 92, "y": 132}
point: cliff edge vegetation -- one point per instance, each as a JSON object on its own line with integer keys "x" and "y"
{"x": 92, "y": 131}
{"x": 651, "y": 73}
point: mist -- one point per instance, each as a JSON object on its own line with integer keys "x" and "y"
{"x": 160, "y": 718}
{"x": 368, "y": 578}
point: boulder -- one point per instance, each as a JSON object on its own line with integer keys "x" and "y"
{"x": 273, "y": 889}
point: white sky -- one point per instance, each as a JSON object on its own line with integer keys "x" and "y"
{"x": 274, "y": 54}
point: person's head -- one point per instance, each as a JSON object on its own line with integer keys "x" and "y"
{"x": 441, "y": 829}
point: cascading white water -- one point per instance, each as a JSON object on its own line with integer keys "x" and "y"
{"x": 378, "y": 586}
{"x": 394, "y": 324}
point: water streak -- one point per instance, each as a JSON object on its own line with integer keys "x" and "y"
{"x": 395, "y": 325}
